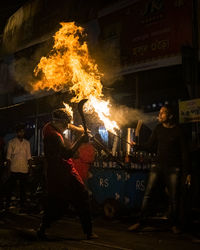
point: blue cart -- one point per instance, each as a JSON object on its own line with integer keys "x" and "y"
{"x": 117, "y": 187}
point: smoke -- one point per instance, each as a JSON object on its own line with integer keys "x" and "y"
{"x": 105, "y": 50}
{"x": 108, "y": 61}
{"x": 23, "y": 73}
{"x": 126, "y": 116}
{"x": 25, "y": 63}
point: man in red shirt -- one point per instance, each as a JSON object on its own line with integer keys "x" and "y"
{"x": 64, "y": 184}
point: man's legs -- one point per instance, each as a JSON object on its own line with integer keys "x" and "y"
{"x": 1, "y": 197}
{"x": 82, "y": 206}
{"x": 54, "y": 209}
{"x": 1, "y": 188}
{"x": 79, "y": 198}
{"x": 151, "y": 183}
{"x": 172, "y": 180}
{"x": 10, "y": 185}
{"x": 22, "y": 188}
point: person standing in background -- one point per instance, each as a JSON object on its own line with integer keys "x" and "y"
{"x": 2, "y": 151}
{"x": 19, "y": 162}
{"x": 2, "y": 178}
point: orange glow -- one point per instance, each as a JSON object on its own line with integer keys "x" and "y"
{"x": 69, "y": 109}
{"x": 70, "y": 67}
{"x": 101, "y": 107}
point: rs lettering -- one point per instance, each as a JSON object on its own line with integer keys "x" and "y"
{"x": 103, "y": 182}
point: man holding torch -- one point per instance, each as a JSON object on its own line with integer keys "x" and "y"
{"x": 64, "y": 184}
{"x": 172, "y": 162}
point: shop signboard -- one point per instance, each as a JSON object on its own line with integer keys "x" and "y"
{"x": 151, "y": 32}
{"x": 189, "y": 111}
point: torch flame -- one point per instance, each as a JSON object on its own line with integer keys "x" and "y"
{"x": 101, "y": 107}
{"x": 69, "y": 67}
{"x": 68, "y": 109}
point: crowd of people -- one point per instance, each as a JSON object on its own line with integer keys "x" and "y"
{"x": 65, "y": 185}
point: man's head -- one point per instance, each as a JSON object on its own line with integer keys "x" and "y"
{"x": 61, "y": 117}
{"x": 20, "y": 131}
{"x": 166, "y": 114}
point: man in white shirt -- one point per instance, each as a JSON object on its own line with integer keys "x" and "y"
{"x": 19, "y": 162}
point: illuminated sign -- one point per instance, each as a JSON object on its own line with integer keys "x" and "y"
{"x": 189, "y": 111}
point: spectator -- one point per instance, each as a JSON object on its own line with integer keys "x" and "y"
{"x": 19, "y": 162}
{"x": 2, "y": 171}
{"x": 2, "y": 151}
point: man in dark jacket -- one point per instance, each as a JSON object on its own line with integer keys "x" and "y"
{"x": 64, "y": 184}
{"x": 172, "y": 162}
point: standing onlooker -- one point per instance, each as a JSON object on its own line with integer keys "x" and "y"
{"x": 2, "y": 159}
{"x": 19, "y": 162}
{"x": 172, "y": 163}
{"x": 2, "y": 151}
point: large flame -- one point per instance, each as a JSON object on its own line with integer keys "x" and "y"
{"x": 69, "y": 66}
{"x": 102, "y": 109}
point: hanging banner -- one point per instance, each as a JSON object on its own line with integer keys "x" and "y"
{"x": 189, "y": 111}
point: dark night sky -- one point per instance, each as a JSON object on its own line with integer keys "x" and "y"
{"x": 7, "y": 8}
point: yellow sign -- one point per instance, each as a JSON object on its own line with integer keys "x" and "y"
{"x": 189, "y": 111}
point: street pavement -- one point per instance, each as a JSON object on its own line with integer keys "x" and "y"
{"x": 17, "y": 232}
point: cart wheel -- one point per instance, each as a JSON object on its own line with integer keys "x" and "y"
{"x": 111, "y": 208}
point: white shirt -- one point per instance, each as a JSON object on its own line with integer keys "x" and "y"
{"x": 19, "y": 153}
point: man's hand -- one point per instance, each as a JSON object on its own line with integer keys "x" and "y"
{"x": 30, "y": 163}
{"x": 79, "y": 129}
{"x": 133, "y": 143}
{"x": 188, "y": 180}
{"x": 30, "y": 167}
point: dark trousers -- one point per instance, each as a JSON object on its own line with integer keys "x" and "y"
{"x": 56, "y": 203}
{"x": 12, "y": 186}
{"x": 171, "y": 181}
{"x": 2, "y": 186}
